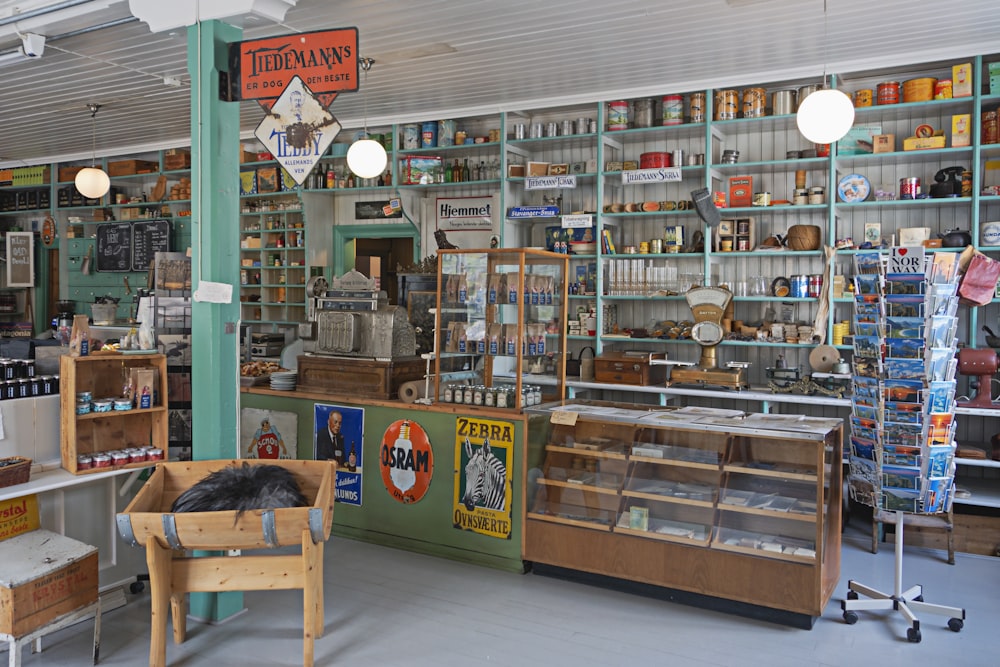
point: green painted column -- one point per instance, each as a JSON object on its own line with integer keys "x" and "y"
{"x": 215, "y": 127}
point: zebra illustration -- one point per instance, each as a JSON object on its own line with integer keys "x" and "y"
{"x": 485, "y": 478}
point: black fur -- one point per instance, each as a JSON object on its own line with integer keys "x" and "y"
{"x": 242, "y": 488}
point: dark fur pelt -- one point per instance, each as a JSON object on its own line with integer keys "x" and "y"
{"x": 242, "y": 488}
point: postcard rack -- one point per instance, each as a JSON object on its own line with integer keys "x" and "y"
{"x": 903, "y": 410}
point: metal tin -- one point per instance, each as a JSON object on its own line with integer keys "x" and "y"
{"x": 101, "y": 460}
{"x": 696, "y": 107}
{"x": 655, "y": 159}
{"x": 551, "y": 129}
{"x": 909, "y": 187}
{"x": 815, "y": 285}
{"x": 673, "y": 109}
{"x": 7, "y": 369}
{"x": 942, "y": 89}
{"x": 102, "y": 405}
{"x": 656, "y": 246}
{"x": 446, "y": 133}
{"x": 411, "y": 136}
{"x": 863, "y": 97}
{"x": 726, "y": 104}
{"x": 582, "y": 125}
{"x": 536, "y": 130}
{"x": 743, "y": 244}
{"x": 48, "y": 386}
{"x": 919, "y": 90}
{"x": 119, "y": 457}
{"x": 519, "y": 130}
{"x": 783, "y": 102}
{"x": 567, "y": 127}
{"x": 643, "y": 247}
{"x": 762, "y": 199}
{"x": 23, "y": 387}
{"x": 643, "y": 112}
{"x": 82, "y": 407}
{"x": 799, "y": 286}
{"x": 887, "y": 92}
{"x": 677, "y": 157}
{"x": 990, "y": 127}
{"x": 154, "y": 454}
{"x": 429, "y": 134}
{"x": 36, "y": 386}
{"x": 754, "y": 100}
{"x": 122, "y": 404}
{"x": 84, "y": 462}
{"x": 618, "y": 115}
{"x": 84, "y": 396}
{"x": 804, "y": 92}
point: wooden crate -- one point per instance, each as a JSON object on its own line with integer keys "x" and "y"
{"x": 67, "y": 174}
{"x": 363, "y": 378}
{"x": 180, "y": 160}
{"x": 132, "y": 167}
{"x": 103, "y": 375}
{"x": 143, "y": 519}
{"x": 44, "y": 576}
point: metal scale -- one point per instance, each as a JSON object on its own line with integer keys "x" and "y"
{"x": 708, "y": 304}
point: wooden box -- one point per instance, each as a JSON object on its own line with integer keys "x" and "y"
{"x": 68, "y": 174}
{"x": 132, "y": 167}
{"x": 180, "y": 160}
{"x": 44, "y": 576}
{"x": 629, "y": 368}
{"x": 149, "y": 512}
{"x": 362, "y": 378}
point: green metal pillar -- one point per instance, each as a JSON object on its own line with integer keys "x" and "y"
{"x": 215, "y": 136}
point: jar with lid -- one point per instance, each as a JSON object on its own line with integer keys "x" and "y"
{"x": 448, "y": 395}
{"x": 643, "y": 112}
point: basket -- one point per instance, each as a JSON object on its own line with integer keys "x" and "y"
{"x": 104, "y": 313}
{"x": 14, "y": 470}
{"x": 803, "y": 237}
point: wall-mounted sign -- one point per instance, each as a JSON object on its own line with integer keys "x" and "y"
{"x": 533, "y": 211}
{"x": 658, "y": 175}
{"x": 20, "y": 259}
{"x": 338, "y": 435}
{"x": 577, "y": 221}
{"x": 484, "y": 457}
{"x": 547, "y": 182}
{"x": 464, "y": 213}
{"x": 297, "y": 130}
{"x": 406, "y": 461}
{"x": 326, "y": 60}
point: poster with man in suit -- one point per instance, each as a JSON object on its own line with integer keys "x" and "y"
{"x": 338, "y": 433}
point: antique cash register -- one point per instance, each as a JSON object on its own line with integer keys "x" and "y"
{"x": 355, "y": 342}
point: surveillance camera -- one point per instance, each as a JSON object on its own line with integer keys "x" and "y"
{"x": 32, "y": 45}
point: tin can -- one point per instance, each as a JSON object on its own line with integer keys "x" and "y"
{"x": 990, "y": 127}
{"x": 460, "y": 137}
{"x": 696, "y": 107}
{"x": 656, "y": 246}
{"x": 101, "y": 460}
{"x": 799, "y": 286}
{"x": 536, "y": 130}
{"x": 942, "y": 89}
{"x": 567, "y": 128}
{"x": 582, "y": 125}
{"x": 429, "y": 134}
{"x": 154, "y": 454}
{"x": 411, "y": 136}
{"x": 754, "y": 100}
{"x": 655, "y": 159}
{"x": 762, "y": 199}
{"x": 803, "y": 92}
{"x": 643, "y": 247}
{"x": 966, "y": 183}
{"x": 887, "y": 92}
{"x": 726, "y": 103}
{"x": 643, "y": 112}
{"x": 446, "y": 133}
{"x": 84, "y": 462}
{"x": 909, "y": 187}
{"x": 743, "y": 244}
{"x": 618, "y": 115}
{"x": 783, "y": 102}
{"x": 551, "y": 129}
{"x": 800, "y": 197}
{"x": 863, "y": 97}
{"x": 815, "y": 285}
{"x": 673, "y": 109}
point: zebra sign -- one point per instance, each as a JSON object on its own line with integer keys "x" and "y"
{"x": 484, "y": 452}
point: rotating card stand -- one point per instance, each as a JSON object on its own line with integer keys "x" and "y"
{"x": 907, "y": 602}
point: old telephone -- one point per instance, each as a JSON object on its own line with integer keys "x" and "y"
{"x": 947, "y": 182}
{"x": 708, "y": 304}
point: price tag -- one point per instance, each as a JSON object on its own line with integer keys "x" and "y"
{"x": 577, "y": 221}
{"x": 564, "y": 417}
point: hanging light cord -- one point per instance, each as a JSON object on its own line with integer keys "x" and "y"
{"x": 366, "y": 64}
{"x": 93, "y": 123}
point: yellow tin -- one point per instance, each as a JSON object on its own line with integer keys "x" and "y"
{"x": 863, "y": 97}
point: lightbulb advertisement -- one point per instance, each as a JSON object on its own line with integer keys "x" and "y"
{"x": 484, "y": 455}
{"x": 338, "y": 434}
{"x": 406, "y": 461}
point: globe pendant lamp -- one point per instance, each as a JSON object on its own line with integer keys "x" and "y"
{"x": 92, "y": 182}
{"x": 366, "y": 157}
{"x": 825, "y": 116}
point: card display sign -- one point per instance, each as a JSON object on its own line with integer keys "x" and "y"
{"x": 149, "y": 238}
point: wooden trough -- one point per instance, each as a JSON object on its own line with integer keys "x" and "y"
{"x": 148, "y": 522}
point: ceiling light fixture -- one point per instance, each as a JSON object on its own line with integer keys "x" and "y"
{"x": 826, "y": 115}
{"x": 366, "y": 157}
{"x": 92, "y": 181}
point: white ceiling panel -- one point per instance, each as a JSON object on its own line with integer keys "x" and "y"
{"x": 442, "y": 58}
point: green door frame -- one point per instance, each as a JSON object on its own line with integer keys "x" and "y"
{"x": 344, "y": 236}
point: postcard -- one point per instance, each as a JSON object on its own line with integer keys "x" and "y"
{"x": 904, "y": 327}
{"x": 904, "y": 305}
{"x": 867, "y": 346}
{"x": 894, "y": 389}
{"x": 901, "y": 455}
{"x": 900, "y": 477}
{"x": 905, "y": 368}
{"x": 904, "y": 348}
{"x": 939, "y": 460}
{"x": 864, "y": 448}
{"x": 867, "y": 284}
{"x": 868, "y": 262}
{"x": 901, "y": 499}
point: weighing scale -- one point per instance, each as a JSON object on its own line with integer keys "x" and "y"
{"x": 708, "y": 305}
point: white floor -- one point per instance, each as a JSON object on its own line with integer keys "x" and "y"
{"x": 386, "y": 607}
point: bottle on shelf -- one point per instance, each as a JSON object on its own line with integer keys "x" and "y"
{"x": 466, "y": 174}
{"x": 482, "y": 176}
{"x": 449, "y": 174}
{"x": 456, "y": 172}
{"x": 331, "y": 177}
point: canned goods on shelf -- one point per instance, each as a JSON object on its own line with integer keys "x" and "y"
{"x": 887, "y": 92}
{"x": 696, "y": 107}
{"x": 726, "y": 104}
{"x": 673, "y": 109}
{"x": 618, "y": 115}
{"x": 863, "y": 97}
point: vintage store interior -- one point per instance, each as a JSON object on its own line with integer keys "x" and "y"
{"x": 692, "y": 312}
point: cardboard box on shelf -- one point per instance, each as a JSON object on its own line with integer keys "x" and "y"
{"x": 961, "y": 130}
{"x": 883, "y": 143}
{"x": 922, "y": 143}
{"x": 740, "y": 191}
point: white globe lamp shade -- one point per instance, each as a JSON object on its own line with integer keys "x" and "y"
{"x": 366, "y": 158}
{"x": 825, "y": 116}
{"x": 92, "y": 182}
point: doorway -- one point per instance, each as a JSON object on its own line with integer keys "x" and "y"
{"x": 380, "y": 259}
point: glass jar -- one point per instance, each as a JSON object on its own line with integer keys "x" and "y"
{"x": 643, "y": 112}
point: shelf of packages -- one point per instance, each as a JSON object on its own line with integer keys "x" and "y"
{"x": 791, "y": 164}
{"x": 941, "y": 157}
{"x": 905, "y": 111}
{"x": 772, "y": 210}
{"x": 617, "y": 338}
{"x": 431, "y": 186}
{"x": 660, "y": 255}
{"x": 646, "y": 214}
{"x": 769, "y": 124}
{"x": 679, "y": 131}
{"x": 459, "y": 149}
{"x": 903, "y": 203}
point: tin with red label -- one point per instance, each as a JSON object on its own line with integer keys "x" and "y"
{"x": 942, "y": 89}
{"x": 887, "y": 92}
{"x": 654, "y": 160}
{"x": 909, "y": 187}
{"x": 618, "y": 115}
{"x": 673, "y": 109}
{"x": 815, "y": 285}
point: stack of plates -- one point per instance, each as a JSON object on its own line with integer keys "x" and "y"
{"x": 283, "y": 380}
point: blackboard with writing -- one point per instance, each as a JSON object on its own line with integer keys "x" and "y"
{"x": 20, "y": 259}
{"x": 114, "y": 246}
{"x": 149, "y": 238}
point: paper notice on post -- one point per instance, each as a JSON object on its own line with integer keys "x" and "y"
{"x": 214, "y": 292}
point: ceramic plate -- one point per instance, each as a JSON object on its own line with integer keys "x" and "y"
{"x": 853, "y": 187}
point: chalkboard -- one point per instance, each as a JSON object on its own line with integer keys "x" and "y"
{"x": 149, "y": 238}
{"x": 20, "y": 259}
{"x": 114, "y": 246}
